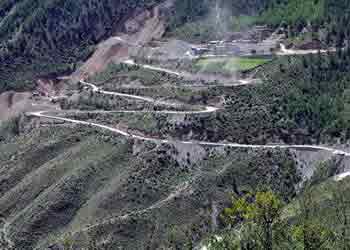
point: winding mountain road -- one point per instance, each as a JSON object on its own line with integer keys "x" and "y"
{"x": 239, "y": 82}
{"x": 145, "y": 99}
{"x": 202, "y": 143}
{"x": 206, "y": 109}
{"x": 145, "y": 66}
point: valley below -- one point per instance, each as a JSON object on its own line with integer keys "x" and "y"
{"x": 145, "y": 141}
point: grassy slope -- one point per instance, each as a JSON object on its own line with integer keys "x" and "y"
{"x": 62, "y": 179}
{"x": 228, "y": 66}
{"x": 84, "y": 175}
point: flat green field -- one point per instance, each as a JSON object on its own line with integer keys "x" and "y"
{"x": 228, "y": 65}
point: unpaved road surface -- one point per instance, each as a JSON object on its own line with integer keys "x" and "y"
{"x": 182, "y": 187}
{"x": 198, "y": 76}
{"x": 285, "y": 52}
{"x": 206, "y": 109}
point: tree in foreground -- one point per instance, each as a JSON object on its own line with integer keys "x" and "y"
{"x": 341, "y": 205}
{"x": 259, "y": 216}
{"x": 309, "y": 233}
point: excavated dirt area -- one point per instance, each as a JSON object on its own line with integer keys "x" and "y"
{"x": 138, "y": 30}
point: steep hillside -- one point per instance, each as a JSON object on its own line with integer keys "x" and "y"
{"x": 191, "y": 10}
{"x": 39, "y": 38}
{"x": 325, "y": 20}
{"x": 135, "y": 139}
{"x": 124, "y": 193}
{"x": 82, "y": 185}
{"x": 211, "y": 20}
{"x": 50, "y": 38}
{"x": 296, "y": 12}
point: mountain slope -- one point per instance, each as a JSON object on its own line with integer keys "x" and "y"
{"x": 141, "y": 157}
{"x": 42, "y": 37}
{"x": 50, "y": 37}
{"x": 125, "y": 193}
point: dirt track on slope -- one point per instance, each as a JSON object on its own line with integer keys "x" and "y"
{"x": 207, "y": 109}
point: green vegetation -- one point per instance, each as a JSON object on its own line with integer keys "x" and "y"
{"x": 187, "y": 11}
{"x": 10, "y": 128}
{"x": 259, "y": 221}
{"x": 243, "y": 21}
{"x": 80, "y": 176}
{"x": 203, "y": 20}
{"x": 228, "y": 65}
{"x": 303, "y": 100}
{"x": 206, "y": 29}
{"x": 294, "y": 11}
{"x": 144, "y": 82}
{"x": 312, "y": 91}
{"x": 32, "y": 43}
{"x": 262, "y": 214}
{"x": 48, "y": 38}
{"x": 59, "y": 177}
{"x": 326, "y": 20}
{"x": 117, "y": 75}
{"x": 197, "y": 31}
